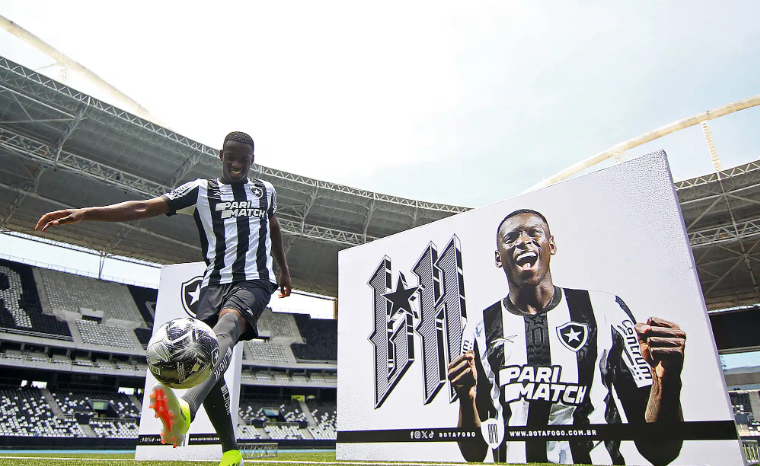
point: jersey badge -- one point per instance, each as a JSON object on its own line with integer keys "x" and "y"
{"x": 257, "y": 191}
{"x": 573, "y": 335}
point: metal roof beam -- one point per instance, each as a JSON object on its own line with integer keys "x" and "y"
{"x": 29, "y": 186}
{"x": 714, "y": 177}
{"x": 331, "y": 235}
{"x": 183, "y": 169}
{"x": 720, "y": 195}
{"x": 309, "y": 204}
{"x": 28, "y": 78}
{"x": 46, "y": 154}
{"x": 725, "y": 233}
{"x": 62, "y": 205}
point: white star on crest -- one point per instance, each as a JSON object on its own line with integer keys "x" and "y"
{"x": 195, "y": 294}
{"x": 572, "y": 335}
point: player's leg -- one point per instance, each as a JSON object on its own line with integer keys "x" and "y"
{"x": 228, "y": 329}
{"x": 177, "y": 413}
{"x": 217, "y": 405}
{"x": 174, "y": 412}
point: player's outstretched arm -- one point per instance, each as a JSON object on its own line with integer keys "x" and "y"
{"x": 122, "y": 212}
{"x": 278, "y": 251}
{"x": 463, "y": 377}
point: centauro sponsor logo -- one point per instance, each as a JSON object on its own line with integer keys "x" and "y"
{"x": 240, "y": 209}
{"x": 539, "y": 383}
{"x": 636, "y": 363}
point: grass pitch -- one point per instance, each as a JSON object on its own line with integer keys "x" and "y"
{"x": 127, "y": 459}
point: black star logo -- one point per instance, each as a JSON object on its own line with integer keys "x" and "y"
{"x": 402, "y": 297}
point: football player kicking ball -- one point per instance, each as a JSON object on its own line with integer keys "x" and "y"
{"x": 239, "y": 235}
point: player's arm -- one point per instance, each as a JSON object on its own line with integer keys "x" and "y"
{"x": 122, "y": 212}
{"x": 647, "y": 403}
{"x": 463, "y": 376}
{"x": 278, "y": 251}
{"x": 662, "y": 346}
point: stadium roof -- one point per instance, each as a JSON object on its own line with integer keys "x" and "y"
{"x": 61, "y": 148}
{"x": 101, "y": 154}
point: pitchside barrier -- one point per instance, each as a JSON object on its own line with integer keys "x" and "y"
{"x": 178, "y": 293}
{"x": 569, "y": 382}
{"x": 258, "y": 450}
{"x": 751, "y": 452}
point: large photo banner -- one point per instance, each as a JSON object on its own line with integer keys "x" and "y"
{"x": 566, "y": 325}
{"x": 178, "y": 292}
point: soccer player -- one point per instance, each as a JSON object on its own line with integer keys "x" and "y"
{"x": 239, "y": 233}
{"x": 546, "y": 355}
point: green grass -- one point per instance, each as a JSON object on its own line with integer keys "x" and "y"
{"x": 86, "y": 459}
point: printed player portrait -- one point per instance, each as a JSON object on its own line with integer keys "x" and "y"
{"x": 550, "y": 356}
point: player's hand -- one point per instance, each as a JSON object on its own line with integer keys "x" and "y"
{"x": 285, "y": 285}
{"x": 60, "y": 217}
{"x": 662, "y": 346}
{"x": 463, "y": 375}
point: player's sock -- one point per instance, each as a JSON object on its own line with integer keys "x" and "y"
{"x": 231, "y": 458}
{"x": 173, "y": 412}
{"x": 217, "y": 405}
{"x": 227, "y": 332}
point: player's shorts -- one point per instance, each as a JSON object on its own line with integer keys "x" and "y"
{"x": 249, "y": 298}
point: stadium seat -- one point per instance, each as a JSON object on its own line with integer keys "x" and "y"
{"x": 320, "y": 337}
{"x": 24, "y": 412}
{"x": 105, "y": 335}
{"x": 69, "y": 292}
{"x": 268, "y": 351}
{"x": 325, "y": 414}
{"x": 20, "y": 308}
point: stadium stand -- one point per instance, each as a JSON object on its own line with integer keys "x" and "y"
{"x": 325, "y": 414}
{"x": 69, "y": 292}
{"x": 277, "y": 324}
{"x": 746, "y": 424}
{"x": 268, "y": 351}
{"x": 79, "y": 402}
{"x": 320, "y": 338}
{"x": 145, "y": 299}
{"x": 105, "y": 335}
{"x": 25, "y": 413}
{"x": 144, "y": 334}
{"x": 252, "y": 410}
{"x": 114, "y": 428}
{"x": 248, "y": 432}
{"x": 20, "y": 308}
{"x": 283, "y": 431}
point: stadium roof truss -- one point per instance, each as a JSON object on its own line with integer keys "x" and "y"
{"x": 61, "y": 148}
{"x": 102, "y": 154}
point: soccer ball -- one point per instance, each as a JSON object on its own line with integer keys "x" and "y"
{"x": 182, "y": 352}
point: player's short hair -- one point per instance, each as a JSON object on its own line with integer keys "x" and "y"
{"x": 240, "y": 137}
{"x": 518, "y": 212}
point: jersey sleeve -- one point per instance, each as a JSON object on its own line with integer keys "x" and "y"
{"x": 632, "y": 375}
{"x": 182, "y": 199}
{"x": 272, "y": 202}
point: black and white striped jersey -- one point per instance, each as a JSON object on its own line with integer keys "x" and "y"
{"x": 578, "y": 362}
{"x": 233, "y": 224}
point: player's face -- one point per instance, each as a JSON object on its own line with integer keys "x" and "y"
{"x": 524, "y": 249}
{"x": 236, "y": 161}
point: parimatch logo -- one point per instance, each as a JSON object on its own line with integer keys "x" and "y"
{"x": 438, "y": 318}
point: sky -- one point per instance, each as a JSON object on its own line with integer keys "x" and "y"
{"x": 427, "y": 100}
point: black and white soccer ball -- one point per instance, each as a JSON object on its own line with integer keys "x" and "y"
{"x": 182, "y": 352}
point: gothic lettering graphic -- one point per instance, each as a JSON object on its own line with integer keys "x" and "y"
{"x": 438, "y": 318}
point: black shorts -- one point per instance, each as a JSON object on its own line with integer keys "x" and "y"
{"x": 249, "y": 298}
